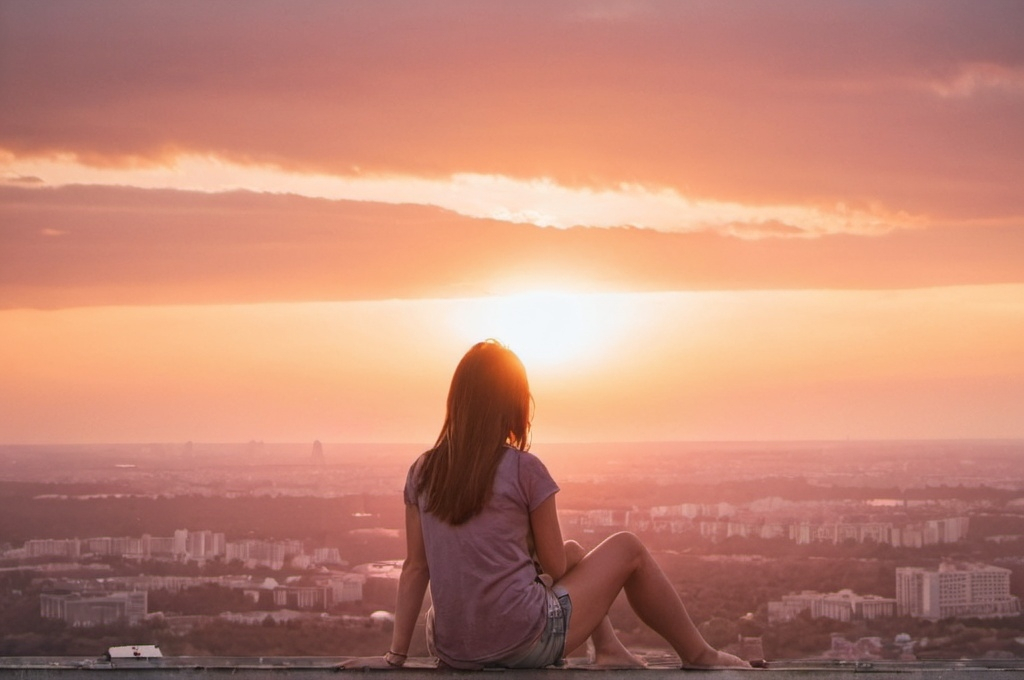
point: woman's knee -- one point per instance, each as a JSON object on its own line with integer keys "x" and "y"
{"x": 628, "y": 538}
{"x": 574, "y": 552}
{"x": 628, "y": 543}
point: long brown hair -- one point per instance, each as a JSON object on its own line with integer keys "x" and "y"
{"x": 488, "y": 409}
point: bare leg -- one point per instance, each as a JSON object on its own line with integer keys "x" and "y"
{"x": 608, "y": 649}
{"x": 622, "y": 562}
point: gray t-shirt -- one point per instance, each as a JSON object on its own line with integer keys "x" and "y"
{"x": 483, "y": 582}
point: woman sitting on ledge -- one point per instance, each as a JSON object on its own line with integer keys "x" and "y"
{"x": 482, "y": 530}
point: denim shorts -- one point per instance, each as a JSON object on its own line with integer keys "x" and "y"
{"x": 549, "y": 649}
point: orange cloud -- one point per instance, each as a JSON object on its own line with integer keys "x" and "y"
{"x": 78, "y": 246}
{"x": 785, "y": 102}
{"x": 539, "y": 201}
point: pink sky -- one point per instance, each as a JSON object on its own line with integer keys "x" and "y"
{"x": 696, "y": 220}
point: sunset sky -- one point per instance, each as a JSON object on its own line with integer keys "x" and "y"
{"x": 287, "y": 221}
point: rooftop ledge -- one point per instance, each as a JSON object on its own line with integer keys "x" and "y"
{"x": 244, "y": 668}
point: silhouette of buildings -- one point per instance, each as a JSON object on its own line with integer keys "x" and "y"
{"x": 184, "y": 546}
{"x": 718, "y": 522}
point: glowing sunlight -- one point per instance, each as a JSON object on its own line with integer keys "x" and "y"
{"x": 548, "y": 330}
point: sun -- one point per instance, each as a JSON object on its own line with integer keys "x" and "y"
{"x": 547, "y": 330}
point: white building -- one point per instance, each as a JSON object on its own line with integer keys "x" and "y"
{"x": 348, "y": 588}
{"x": 327, "y": 556}
{"x": 955, "y": 591}
{"x": 83, "y": 610}
{"x": 50, "y": 547}
{"x": 844, "y": 605}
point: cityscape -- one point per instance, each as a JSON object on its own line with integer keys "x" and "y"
{"x": 764, "y": 540}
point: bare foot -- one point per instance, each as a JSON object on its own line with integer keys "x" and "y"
{"x": 619, "y": 658}
{"x": 712, "y": 658}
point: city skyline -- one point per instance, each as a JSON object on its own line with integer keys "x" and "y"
{"x": 693, "y": 221}
{"x": 849, "y": 550}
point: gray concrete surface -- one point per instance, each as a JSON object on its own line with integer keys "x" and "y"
{"x": 278, "y": 668}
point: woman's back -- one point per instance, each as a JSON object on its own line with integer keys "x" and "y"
{"x": 483, "y": 584}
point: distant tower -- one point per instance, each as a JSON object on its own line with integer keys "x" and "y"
{"x": 318, "y": 453}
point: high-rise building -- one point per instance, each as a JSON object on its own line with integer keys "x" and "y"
{"x": 180, "y": 542}
{"x": 955, "y": 590}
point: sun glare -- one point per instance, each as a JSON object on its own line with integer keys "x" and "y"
{"x": 547, "y": 330}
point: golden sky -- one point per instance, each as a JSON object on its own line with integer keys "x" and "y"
{"x": 286, "y": 221}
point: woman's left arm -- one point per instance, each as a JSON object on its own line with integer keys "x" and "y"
{"x": 412, "y": 585}
{"x": 547, "y": 536}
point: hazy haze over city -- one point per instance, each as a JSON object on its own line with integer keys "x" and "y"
{"x": 782, "y": 550}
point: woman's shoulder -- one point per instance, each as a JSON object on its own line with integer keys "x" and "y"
{"x": 418, "y": 463}
{"x": 525, "y": 455}
{"x": 525, "y": 460}
{"x": 532, "y": 479}
{"x": 416, "y": 467}
{"x": 412, "y": 478}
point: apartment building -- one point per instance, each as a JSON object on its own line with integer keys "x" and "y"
{"x": 955, "y": 590}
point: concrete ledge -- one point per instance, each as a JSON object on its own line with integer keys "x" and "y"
{"x": 268, "y": 668}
